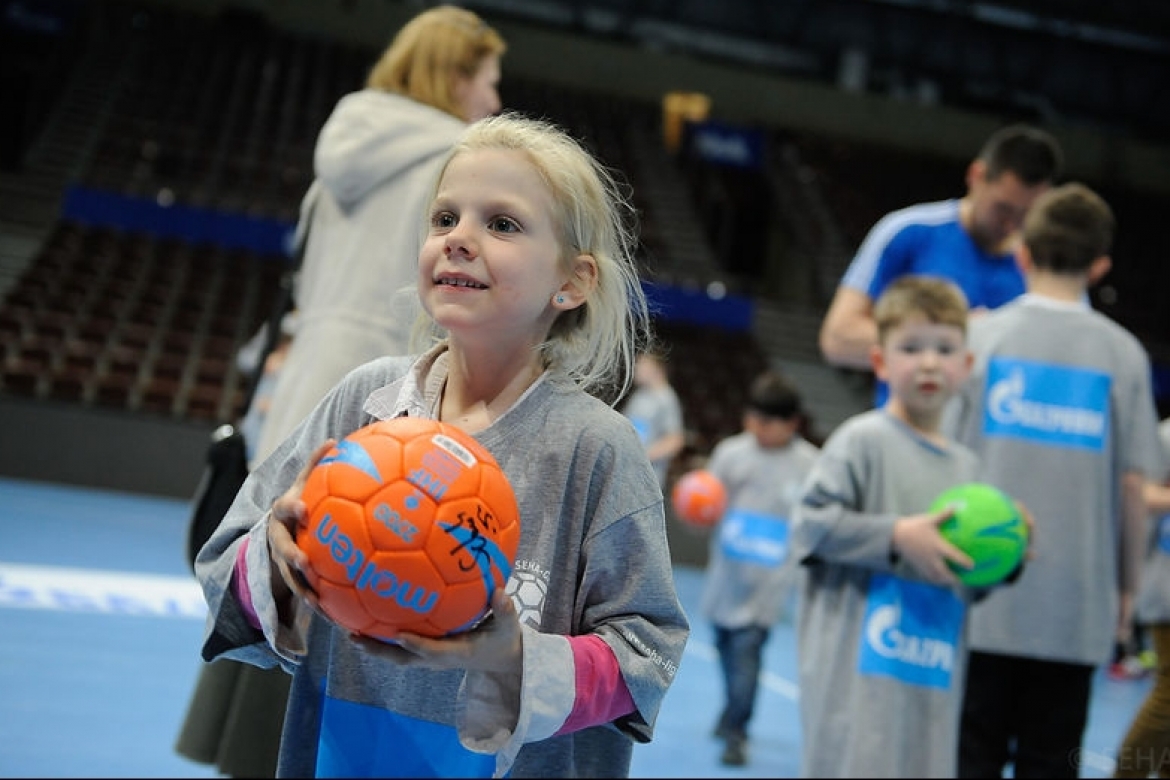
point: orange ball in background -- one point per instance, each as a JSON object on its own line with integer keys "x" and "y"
{"x": 699, "y": 498}
{"x": 411, "y": 526}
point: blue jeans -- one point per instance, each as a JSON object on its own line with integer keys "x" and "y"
{"x": 740, "y": 656}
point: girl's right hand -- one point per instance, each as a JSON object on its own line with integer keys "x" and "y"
{"x": 292, "y": 573}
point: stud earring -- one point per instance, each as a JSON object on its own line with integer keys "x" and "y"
{"x": 559, "y": 299}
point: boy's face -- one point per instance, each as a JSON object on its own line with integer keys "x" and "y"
{"x": 924, "y": 363}
{"x": 770, "y": 432}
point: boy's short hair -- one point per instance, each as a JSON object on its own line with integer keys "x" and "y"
{"x": 1068, "y": 228}
{"x": 937, "y": 299}
{"x": 771, "y": 395}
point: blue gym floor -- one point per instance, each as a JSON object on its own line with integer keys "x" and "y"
{"x": 102, "y": 621}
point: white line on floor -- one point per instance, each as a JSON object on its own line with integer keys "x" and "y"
{"x": 91, "y": 590}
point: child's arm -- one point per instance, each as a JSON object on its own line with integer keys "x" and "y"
{"x": 1134, "y": 539}
{"x": 831, "y": 525}
{"x": 289, "y": 562}
{"x": 917, "y": 540}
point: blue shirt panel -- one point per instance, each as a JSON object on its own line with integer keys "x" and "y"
{"x": 357, "y": 740}
{"x": 754, "y": 537}
{"x": 1047, "y": 404}
{"x": 911, "y": 632}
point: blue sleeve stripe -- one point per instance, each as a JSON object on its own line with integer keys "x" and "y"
{"x": 863, "y": 269}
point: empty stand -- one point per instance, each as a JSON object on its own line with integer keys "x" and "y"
{"x": 110, "y": 321}
{"x": 710, "y": 369}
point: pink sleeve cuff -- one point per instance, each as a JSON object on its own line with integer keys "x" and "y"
{"x": 602, "y": 695}
{"x": 240, "y": 587}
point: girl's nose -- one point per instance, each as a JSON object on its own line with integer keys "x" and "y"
{"x": 458, "y": 242}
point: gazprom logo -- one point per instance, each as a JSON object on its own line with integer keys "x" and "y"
{"x": 910, "y": 632}
{"x": 889, "y": 641}
{"x": 754, "y": 538}
{"x": 1054, "y": 405}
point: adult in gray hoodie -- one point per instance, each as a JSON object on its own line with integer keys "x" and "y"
{"x": 376, "y": 156}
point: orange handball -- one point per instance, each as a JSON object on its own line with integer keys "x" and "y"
{"x": 411, "y": 526}
{"x": 699, "y": 498}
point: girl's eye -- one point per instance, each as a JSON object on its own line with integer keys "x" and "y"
{"x": 443, "y": 219}
{"x": 503, "y": 225}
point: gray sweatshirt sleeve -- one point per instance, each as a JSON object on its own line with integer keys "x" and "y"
{"x": 828, "y": 525}
{"x": 228, "y": 633}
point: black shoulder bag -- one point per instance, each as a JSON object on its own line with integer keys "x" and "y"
{"x": 226, "y": 467}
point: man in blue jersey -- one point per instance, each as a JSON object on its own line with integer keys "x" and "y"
{"x": 967, "y": 240}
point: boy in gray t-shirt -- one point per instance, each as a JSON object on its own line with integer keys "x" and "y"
{"x": 1060, "y": 410}
{"x": 882, "y": 619}
{"x": 750, "y": 575}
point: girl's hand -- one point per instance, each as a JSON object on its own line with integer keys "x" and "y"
{"x": 493, "y": 646}
{"x": 292, "y": 572}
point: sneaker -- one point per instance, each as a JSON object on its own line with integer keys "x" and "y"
{"x": 734, "y": 752}
{"x": 1128, "y": 668}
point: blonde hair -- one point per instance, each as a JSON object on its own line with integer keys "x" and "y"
{"x": 430, "y": 51}
{"x": 594, "y": 345}
{"x": 937, "y": 299}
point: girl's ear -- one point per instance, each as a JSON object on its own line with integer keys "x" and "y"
{"x": 576, "y": 289}
{"x": 877, "y": 359}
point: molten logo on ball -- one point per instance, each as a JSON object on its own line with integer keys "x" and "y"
{"x": 987, "y": 526}
{"x": 411, "y": 526}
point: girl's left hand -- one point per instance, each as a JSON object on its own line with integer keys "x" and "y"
{"x": 493, "y": 646}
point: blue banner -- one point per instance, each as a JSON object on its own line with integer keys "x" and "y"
{"x": 730, "y": 312}
{"x": 722, "y": 144}
{"x": 187, "y": 223}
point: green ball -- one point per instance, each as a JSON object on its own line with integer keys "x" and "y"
{"x": 987, "y": 526}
